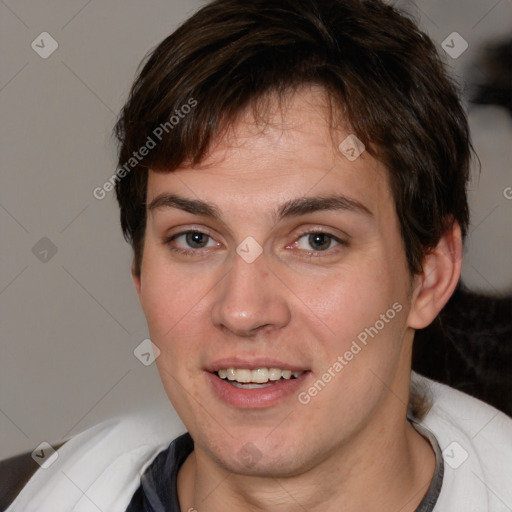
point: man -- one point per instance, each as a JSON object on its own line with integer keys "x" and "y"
{"x": 292, "y": 180}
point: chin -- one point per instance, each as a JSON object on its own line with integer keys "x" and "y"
{"x": 253, "y": 457}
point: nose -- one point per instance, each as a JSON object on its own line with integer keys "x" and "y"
{"x": 250, "y": 299}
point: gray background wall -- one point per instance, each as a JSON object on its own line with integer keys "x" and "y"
{"x": 70, "y": 320}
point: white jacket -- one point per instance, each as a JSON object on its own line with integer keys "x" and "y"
{"x": 100, "y": 468}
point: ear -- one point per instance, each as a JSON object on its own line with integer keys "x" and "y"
{"x": 436, "y": 283}
{"x": 136, "y": 278}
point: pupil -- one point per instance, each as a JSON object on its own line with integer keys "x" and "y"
{"x": 318, "y": 237}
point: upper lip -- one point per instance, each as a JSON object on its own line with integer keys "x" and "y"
{"x": 252, "y": 364}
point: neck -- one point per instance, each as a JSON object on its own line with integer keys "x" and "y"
{"x": 366, "y": 473}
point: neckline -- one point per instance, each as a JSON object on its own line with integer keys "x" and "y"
{"x": 160, "y": 494}
{"x": 430, "y": 498}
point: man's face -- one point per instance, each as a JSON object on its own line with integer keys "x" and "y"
{"x": 303, "y": 304}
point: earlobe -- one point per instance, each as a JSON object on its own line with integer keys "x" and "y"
{"x": 436, "y": 283}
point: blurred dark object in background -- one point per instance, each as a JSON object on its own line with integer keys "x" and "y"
{"x": 469, "y": 347}
{"x": 496, "y": 86}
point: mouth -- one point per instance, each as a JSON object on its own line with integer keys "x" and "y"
{"x": 257, "y": 387}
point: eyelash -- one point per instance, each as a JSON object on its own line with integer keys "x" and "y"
{"x": 314, "y": 254}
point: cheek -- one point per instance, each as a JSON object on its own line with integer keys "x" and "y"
{"x": 363, "y": 313}
{"x": 158, "y": 302}
{"x": 167, "y": 293}
{"x": 171, "y": 309}
{"x": 174, "y": 301}
{"x": 354, "y": 298}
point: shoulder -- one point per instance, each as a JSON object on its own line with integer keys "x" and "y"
{"x": 476, "y": 440}
{"x": 101, "y": 466}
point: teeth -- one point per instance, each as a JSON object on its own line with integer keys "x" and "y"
{"x": 274, "y": 373}
{"x": 243, "y": 375}
{"x": 258, "y": 376}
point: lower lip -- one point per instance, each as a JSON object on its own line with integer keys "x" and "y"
{"x": 255, "y": 398}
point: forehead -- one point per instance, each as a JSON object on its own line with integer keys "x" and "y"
{"x": 292, "y": 151}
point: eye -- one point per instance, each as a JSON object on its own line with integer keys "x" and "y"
{"x": 193, "y": 239}
{"x": 191, "y": 242}
{"x": 319, "y": 241}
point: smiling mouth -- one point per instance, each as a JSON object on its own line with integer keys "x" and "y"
{"x": 256, "y": 379}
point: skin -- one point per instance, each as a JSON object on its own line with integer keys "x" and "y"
{"x": 350, "y": 448}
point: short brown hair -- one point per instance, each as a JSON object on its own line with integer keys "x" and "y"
{"x": 381, "y": 73}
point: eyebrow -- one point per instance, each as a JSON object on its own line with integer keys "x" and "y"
{"x": 293, "y": 208}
